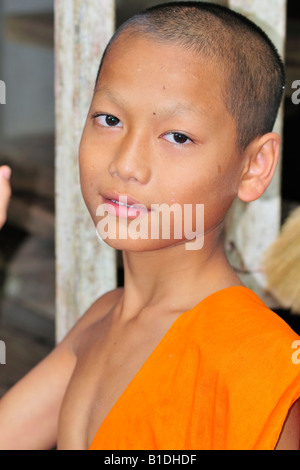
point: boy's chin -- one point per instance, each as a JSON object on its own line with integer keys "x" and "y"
{"x": 143, "y": 245}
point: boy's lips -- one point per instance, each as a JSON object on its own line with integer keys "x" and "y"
{"x": 123, "y": 205}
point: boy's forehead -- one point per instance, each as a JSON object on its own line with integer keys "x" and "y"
{"x": 150, "y": 52}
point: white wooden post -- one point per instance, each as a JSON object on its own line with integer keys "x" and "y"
{"x": 1, "y": 64}
{"x": 251, "y": 228}
{"x": 85, "y": 268}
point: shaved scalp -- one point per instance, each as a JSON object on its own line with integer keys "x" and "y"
{"x": 253, "y": 71}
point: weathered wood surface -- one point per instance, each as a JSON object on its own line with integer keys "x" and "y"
{"x": 252, "y": 227}
{"x": 34, "y": 28}
{"x": 32, "y": 161}
{"x": 292, "y": 54}
{"x": 85, "y": 268}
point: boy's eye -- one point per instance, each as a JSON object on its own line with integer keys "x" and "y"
{"x": 108, "y": 120}
{"x": 177, "y": 138}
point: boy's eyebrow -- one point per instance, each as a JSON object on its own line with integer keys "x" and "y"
{"x": 169, "y": 109}
{"x": 177, "y": 108}
{"x": 115, "y": 97}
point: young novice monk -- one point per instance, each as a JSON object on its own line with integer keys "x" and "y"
{"x": 184, "y": 356}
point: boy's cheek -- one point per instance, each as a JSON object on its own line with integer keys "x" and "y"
{"x": 87, "y": 147}
{"x": 91, "y": 202}
{"x": 88, "y": 184}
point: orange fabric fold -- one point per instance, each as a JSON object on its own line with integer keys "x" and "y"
{"x": 221, "y": 378}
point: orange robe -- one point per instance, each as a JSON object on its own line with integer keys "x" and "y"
{"x": 223, "y": 377}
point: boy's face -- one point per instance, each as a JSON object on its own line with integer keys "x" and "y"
{"x": 158, "y": 131}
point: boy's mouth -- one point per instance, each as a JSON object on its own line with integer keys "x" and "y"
{"x": 122, "y": 205}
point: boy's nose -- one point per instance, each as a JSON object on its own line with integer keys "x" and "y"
{"x": 131, "y": 160}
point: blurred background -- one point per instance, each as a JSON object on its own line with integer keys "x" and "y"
{"x": 27, "y": 249}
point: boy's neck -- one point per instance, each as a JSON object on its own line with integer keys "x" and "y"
{"x": 174, "y": 278}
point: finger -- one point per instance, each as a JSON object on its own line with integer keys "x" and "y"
{"x": 5, "y": 192}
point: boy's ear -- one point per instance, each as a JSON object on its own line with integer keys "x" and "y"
{"x": 260, "y": 161}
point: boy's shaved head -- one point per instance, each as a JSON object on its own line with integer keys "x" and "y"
{"x": 254, "y": 76}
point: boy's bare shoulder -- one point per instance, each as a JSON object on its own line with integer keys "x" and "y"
{"x": 102, "y": 306}
{"x": 95, "y": 313}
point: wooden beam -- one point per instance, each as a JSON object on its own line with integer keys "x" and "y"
{"x": 251, "y": 228}
{"x": 34, "y": 28}
{"x": 85, "y": 268}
